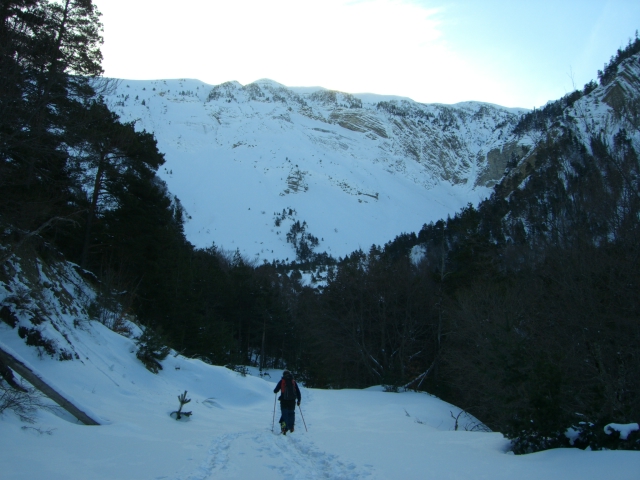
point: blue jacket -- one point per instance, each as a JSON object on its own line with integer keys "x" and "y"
{"x": 288, "y": 404}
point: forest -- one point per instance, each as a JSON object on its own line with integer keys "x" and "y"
{"x": 523, "y": 310}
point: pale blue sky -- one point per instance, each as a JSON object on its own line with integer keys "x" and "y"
{"x": 514, "y": 53}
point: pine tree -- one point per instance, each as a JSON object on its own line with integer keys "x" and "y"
{"x": 114, "y": 151}
{"x": 48, "y": 54}
{"x": 151, "y": 349}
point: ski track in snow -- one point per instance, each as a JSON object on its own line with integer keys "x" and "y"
{"x": 217, "y": 458}
{"x": 290, "y": 458}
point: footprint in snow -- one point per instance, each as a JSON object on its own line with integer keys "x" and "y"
{"x": 289, "y": 458}
{"x": 302, "y": 460}
{"x": 217, "y": 458}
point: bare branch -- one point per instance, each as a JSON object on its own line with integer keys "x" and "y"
{"x": 37, "y": 231}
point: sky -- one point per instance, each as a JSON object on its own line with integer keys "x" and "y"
{"x": 510, "y": 53}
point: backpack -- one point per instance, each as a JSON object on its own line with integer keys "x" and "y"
{"x": 288, "y": 389}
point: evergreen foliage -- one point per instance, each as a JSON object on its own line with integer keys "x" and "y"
{"x": 611, "y": 69}
{"x": 302, "y": 241}
{"x": 549, "y": 115}
{"x": 182, "y": 398}
{"x": 151, "y": 349}
{"x": 34, "y": 337}
{"x": 542, "y": 119}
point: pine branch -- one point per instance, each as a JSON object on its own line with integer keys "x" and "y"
{"x": 182, "y": 398}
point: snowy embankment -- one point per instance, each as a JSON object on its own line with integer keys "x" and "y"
{"x": 351, "y": 433}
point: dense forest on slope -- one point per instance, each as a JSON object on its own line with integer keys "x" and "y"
{"x": 523, "y": 311}
{"x": 75, "y": 179}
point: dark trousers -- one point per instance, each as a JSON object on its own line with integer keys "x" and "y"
{"x": 288, "y": 417}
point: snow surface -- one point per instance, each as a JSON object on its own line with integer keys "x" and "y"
{"x": 349, "y": 434}
{"x": 232, "y": 159}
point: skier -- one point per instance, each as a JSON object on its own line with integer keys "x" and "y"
{"x": 289, "y": 393}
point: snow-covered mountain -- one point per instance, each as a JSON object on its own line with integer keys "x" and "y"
{"x": 249, "y": 161}
{"x": 601, "y": 110}
{"x": 611, "y": 106}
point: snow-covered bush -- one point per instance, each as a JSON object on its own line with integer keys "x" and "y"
{"x": 612, "y": 436}
{"x": 583, "y": 434}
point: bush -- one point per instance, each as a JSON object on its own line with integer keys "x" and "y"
{"x": 598, "y": 435}
{"x": 23, "y": 403}
{"x": 151, "y": 349}
{"x": 532, "y": 440}
{"x": 601, "y": 436}
{"x": 35, "y": 339}
{"x": 241, "y": 369}
{"x": 8, "y": 317}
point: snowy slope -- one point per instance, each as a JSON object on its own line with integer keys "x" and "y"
{"x": 349, "y": 434}
{"x": 605, "y": 112}
{"x": 359, "y": 169}
{"x": 598, "y": 114}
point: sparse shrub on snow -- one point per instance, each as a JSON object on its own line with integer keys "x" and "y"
{"x": 182, "y": 398}
{"x": 241, "y": 369}
{"x": 13, "y": 397}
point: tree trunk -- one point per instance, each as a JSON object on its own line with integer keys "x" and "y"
{"x": 92, "y": 209}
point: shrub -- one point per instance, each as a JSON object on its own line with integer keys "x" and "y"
{"x": 599, "y": 435}
{"x": 241, "y": 369}
{"x": 8, "y": 317}
{"x": 151, "y": 349}
{"x": 35, "y": 339}
{"x": 23, "y": 403}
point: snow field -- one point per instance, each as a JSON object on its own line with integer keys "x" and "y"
{"x": 352, "y": 434}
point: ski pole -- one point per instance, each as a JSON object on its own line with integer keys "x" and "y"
{"x": 273, "y": 421}
{"x": 302, "y": 416}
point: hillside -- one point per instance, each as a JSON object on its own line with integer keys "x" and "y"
{"x": 358, "y": 169}
{"x": 598, "y": 111}
{"x": 350, "y": 434}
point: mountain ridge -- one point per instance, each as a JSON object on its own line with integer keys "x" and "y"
{"x": 358, "y": 168}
